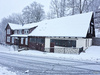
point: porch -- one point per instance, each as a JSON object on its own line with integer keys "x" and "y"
{"x": 20, "y": 41}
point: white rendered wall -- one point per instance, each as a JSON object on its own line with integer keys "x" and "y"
{"x": 90, "y": 42}
{"x": 47, "y": 44}
{"x": 80, "y": 43}
{"x": 85, "y": 43}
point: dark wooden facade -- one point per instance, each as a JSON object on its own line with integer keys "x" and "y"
{"x": 17, "y": 41}
{"x": 91, "y": 30}
{"x": 37, "y": 44}
{"x": 31, "y": 29}
{"x": 8, "y": 35}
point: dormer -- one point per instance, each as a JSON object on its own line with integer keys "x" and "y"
{"x": 26, "y": 31}
{"x": 15, "y": 31}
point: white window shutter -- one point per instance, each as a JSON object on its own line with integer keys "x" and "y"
{"x": 8, "y": 39}
{"x": 8, "y": 31}
{"x": 12, "y": 39}
{"x": 22, "y": 40}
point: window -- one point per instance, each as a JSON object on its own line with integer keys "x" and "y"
{"x": 22, "y": 40}
{"x": 73, "y": 43}
{"x": 64, "y": 43}
{"x": 15, "y": 32}
{"x": 8, "y": 31}
{"x": 26, "y": 41}
{"x": 33, "y": 40}
{"x": 8, "y": 39}
{"x": 20, "y": 31}
{"x": 26, "y": 31}
{"x": 37, "y": 40}
{"x": 12, "y": 39}
{"x": 91, "y": 30}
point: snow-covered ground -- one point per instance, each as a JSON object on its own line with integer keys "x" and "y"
{"x": 91, "y": 54}
{"x": 4, "y": 71}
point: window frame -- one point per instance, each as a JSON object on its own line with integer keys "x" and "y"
{"x": 8, "y": 38}
{"x": 15, "y": 31}
{"x": 26, "y": 31}
{"x": 64, "y": 43}
{"x": 22, "y": 40}
{"x": 8, "y": 31}
{"x": 20, "y": 31}
{"x": 37, "y": 40}
{"x": 12, "y": 39}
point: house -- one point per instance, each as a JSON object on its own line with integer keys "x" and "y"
{"x": 69, "y": 34}
{"x": 18, "y": 34}
{"x": 64, "y": 35}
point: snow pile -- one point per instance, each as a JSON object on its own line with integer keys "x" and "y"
{"x": 26, "y": 26}
{"x": 4, "y": 48}
{"x": 11, "y": 48}
{"x": 4, "y": 71}
{"x": 91, "y": 54}
{"x": 99, "y": 7}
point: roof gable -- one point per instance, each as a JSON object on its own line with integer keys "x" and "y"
{"x": 70, "y": 26}
{"x": 18, "y": 27}
{"x": 7, "y": 27}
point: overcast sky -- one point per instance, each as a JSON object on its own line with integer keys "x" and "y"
{"x": 7, "y": 7}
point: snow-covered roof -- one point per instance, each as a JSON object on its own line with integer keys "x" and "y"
{"x": 26, "y": 26}
{"x": 19, "y": 35}
{"x": 70, "y": 26}
{"x": 99, "y": 7}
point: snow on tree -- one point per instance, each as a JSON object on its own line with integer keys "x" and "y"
{"x": 33, "y": 13}
{"x": 61, "y": 8}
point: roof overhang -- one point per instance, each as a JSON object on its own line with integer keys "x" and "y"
{"x": 21, "y": 35}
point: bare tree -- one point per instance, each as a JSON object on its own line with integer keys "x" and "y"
{"x": 62, "y": 8}
{"x": 58, "y": 8}
{"x": 55, "y": 6}
{"x": 26, "y": 14}
{"x": 73, "y": 6}
{"x": 14, "y": 18}
{"x": 80, "y": 6}
{"x": 33, "y": 13}
{"x": 50, "y": 15}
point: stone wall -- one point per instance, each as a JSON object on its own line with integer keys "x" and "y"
{"x": 72, "y": 50}
{"x": 66, "y": 50}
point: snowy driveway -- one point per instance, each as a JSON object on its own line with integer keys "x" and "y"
{"x": 36, "y": 65}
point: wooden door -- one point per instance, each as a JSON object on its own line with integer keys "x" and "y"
{"x": 24, "y": 42}
{"x": 42, "y": 47}
{"x": 52, "y": 47}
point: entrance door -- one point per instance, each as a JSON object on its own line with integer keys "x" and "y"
{"x": 51, "y": 47}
